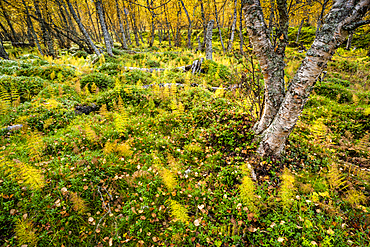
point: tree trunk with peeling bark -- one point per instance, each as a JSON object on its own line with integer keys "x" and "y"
{"x": 83, "y": 30}
{"x": 282, "y": 109}
{"x": 230, "y": 45}
{"x": 107, "y": 39}
{"x": 209, "y": 40}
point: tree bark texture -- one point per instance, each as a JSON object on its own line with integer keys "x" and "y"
{"x": 82, "y": 28}
{"x": 190, "y": 24}
{"x": 99, "y": 9}
{"x": 124, "y": 41}
{"x": 230, "y": 45}
{"x": 218, "y": 26}
{"x": 271, "y": 60}
{"x": 45, "y": 33}
{"x": 209, "y": 40}
{"x": 3, "y": 53}
{"x": 330, "y": 36}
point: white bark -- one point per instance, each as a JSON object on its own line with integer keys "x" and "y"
{"x": 331, "y": 35}
{"x": 209, "y": 40}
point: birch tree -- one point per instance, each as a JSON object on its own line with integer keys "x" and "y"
{"x": 282, "y": 108}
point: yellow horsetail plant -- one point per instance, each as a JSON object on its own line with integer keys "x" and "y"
{"x": 168, "y": 178}
{"x": 23, "y": 173}
{"x": 25, "y": 233}
{"x": 79, "y": 204}
{"x": 287, "y": 189}
{"x": 178, "y": 211}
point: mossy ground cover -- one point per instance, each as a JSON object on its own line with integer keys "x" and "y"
{"x": 170, "y": 166}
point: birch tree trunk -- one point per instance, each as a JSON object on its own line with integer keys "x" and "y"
{"x": 99, "y": 9}
{"x": 3, "y": 53}
{"x": 230, "y": 45}
{"x": 124, "y": 41}
{"x": 209, "y": 40}
{"x": 45, "y": 33}
{"x": 7, "y": 18}
{"x": 82, "y": 28}
{"x": 219, "y": 28}
{"x": 299, "y": 30}
{"x": 349, "y": 41}
{"x": 32, "y": 29}
{"x": 341, "y": 19}
{"x": 271, "y": 60}
{"x": 190, "y": 24}
{"x": 241, "y": 43}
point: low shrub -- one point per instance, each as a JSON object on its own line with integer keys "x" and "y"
{"x": 101, "y": 80}
{"x": 50, "y": 72}
{"x": 334, "y": 92}
{"x": 110, "y": 68}
{"x": 25, "y": 87}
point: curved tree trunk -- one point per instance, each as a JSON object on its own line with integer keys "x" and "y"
{"x": 45, "y": 33}
{"x": 271, "y": 59}
{"x": 82, "y": 28}
{"x": 99, "y": 9}
{"x": 124, "y": 41}
{"x": 340, "y": 20}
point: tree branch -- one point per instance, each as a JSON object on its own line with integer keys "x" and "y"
{"x": 353, "y": 26}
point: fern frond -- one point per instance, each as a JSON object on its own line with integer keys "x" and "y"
{"x": 355, "y": 197}
{"x": 79, "y": 205}
{"x": 334, "y": 177}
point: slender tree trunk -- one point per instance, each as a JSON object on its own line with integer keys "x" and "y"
{"x": 32, "y": 29}
{"x": 45, "y": 33}
{"x": 321, "y": 16}
{"x": 204, "y": 20}
{"x": 128, "y": 35}
{"x": 135, "y": 29}
{"x": 99, "y": 9}
{"x": 299, "y": 30}
{"x": 124, "y": 42}
{"x": 349, "y": 41}
{"x": 328, "y": 39}
{"x": 230, "y": 45}
{"x": 3, "y": 53}
{"x": 83, "y": 30}
{"x": 218, "y": 26}
{"x": 190, "y": 24}
{"x": 241, "y": 29}
{"x": 97, "y": 37}
{"x": 8, "y": 21}
{"x": 209, "y": 40}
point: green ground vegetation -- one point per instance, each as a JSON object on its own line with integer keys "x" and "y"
{"x": 165, "y": 166}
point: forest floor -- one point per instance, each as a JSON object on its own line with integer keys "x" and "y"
{"x": 102, "y": 161}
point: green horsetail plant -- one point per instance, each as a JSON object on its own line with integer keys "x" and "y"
{"x": 287, "y": 189}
